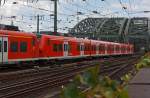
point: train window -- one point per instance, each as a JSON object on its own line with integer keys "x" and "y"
{"x": 33, "y": 42}
{"x": 93, "y": 48}
{"x": 122, "y": 49}
{"x": 55, "y": 47}
{"x": 60, "y": 47}
{"x": 113, "y": 48}
{"x": 5, "y": 46}
{"x": 128, "y": 48}
{"x": 105, "y": 47}
{"x": 81, "y": 48}
{"x": 48, "y": 42}
{"x": 14, "y": 46}
{"x": 69, "y": 47}
{"x": 78, "y": 47}
{"x": 64, "y": 47}
{"x": 89, "y": 48}
{"x": 0, "y": 46}
{"x": 86, "y": 48}
{"x": 101, "y": 47}
{"x": 23, "y": 47}
{"x": 117, "y": 48}
{"x": 97, "y": 47}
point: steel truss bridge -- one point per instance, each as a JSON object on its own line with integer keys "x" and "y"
{"x": 125, "y": 30}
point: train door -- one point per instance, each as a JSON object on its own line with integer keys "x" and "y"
{"x": 120, "y": 49}
{"x": 82, "y": 49}
{"x": 66, "y": 47}
{"x": 114, "y": 52}
{"x": 97, "y": 49}
{"x": 106, "y": 49}
{"x": 3, "y": 49}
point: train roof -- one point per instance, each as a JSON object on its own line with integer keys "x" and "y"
{"x": 53, "y": 37}
{"x": 82, "y": 40}
{"x": 73, "y": 39}
{"x": 16, "y": 33}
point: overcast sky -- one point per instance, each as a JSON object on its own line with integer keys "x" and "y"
{"x": 67, "y": 12}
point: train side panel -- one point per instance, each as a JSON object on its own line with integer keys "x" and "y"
{"x": 21, "y": 47}
{"x": 51, "y": 46}
{"x": 74, "y": 49}
{"x": 87, "y": 47}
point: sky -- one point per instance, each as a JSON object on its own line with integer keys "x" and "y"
{"x": 70, "y": 12}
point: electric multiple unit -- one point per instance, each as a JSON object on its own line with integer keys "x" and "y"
{"x": 21, "y": 46}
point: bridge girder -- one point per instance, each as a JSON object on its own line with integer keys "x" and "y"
{"x": 127, "y": 30}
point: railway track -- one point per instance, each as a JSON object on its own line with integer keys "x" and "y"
{"x": 113, "y": 72}
{"x": 60, "y": 76}
{"x": 13, "y": 75}
{"x": 54, "y": 79}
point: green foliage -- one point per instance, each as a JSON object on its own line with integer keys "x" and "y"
{"x": 98, "y": 87}
{"x": 126, "y": 78}
{"x": 123, "y": 94}
{"x": 90, "y": 77}
{"x": 144, "y": 62}
{"x": 71, "y": 91}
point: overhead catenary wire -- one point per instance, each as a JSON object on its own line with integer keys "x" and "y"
{"x": 70, "y": 11}
{"x": 124, "y": 8}
{"x": 130, "y": 5}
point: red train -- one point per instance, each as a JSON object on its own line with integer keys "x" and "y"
{"x": 20, "y": 46}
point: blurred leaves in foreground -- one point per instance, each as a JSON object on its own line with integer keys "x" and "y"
{"x": 96, "y": 87}
{"x": 143, "y": 62}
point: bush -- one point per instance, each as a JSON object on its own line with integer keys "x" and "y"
{"x": 96, "y": 87}
{"x": 143, "y": 62}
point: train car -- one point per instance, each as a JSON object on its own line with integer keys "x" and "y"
{"x": 97, "y": 48}
{"x": 102, "y": 48}
{"x": 18, "y": 46}
{"x": 52, "y": 47}
{"x": 87, "y": 47}
{"x": 109, "y": 48}
{"x": 93, "y": 48}
{"x": 131, "y": 49}
{"x": 74, "y": 47}
{"x": 71, "y": 47}
{"x": 60, "y": 47}
{"x": 124, "y": 49}
{"x": 117, "y": 49}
